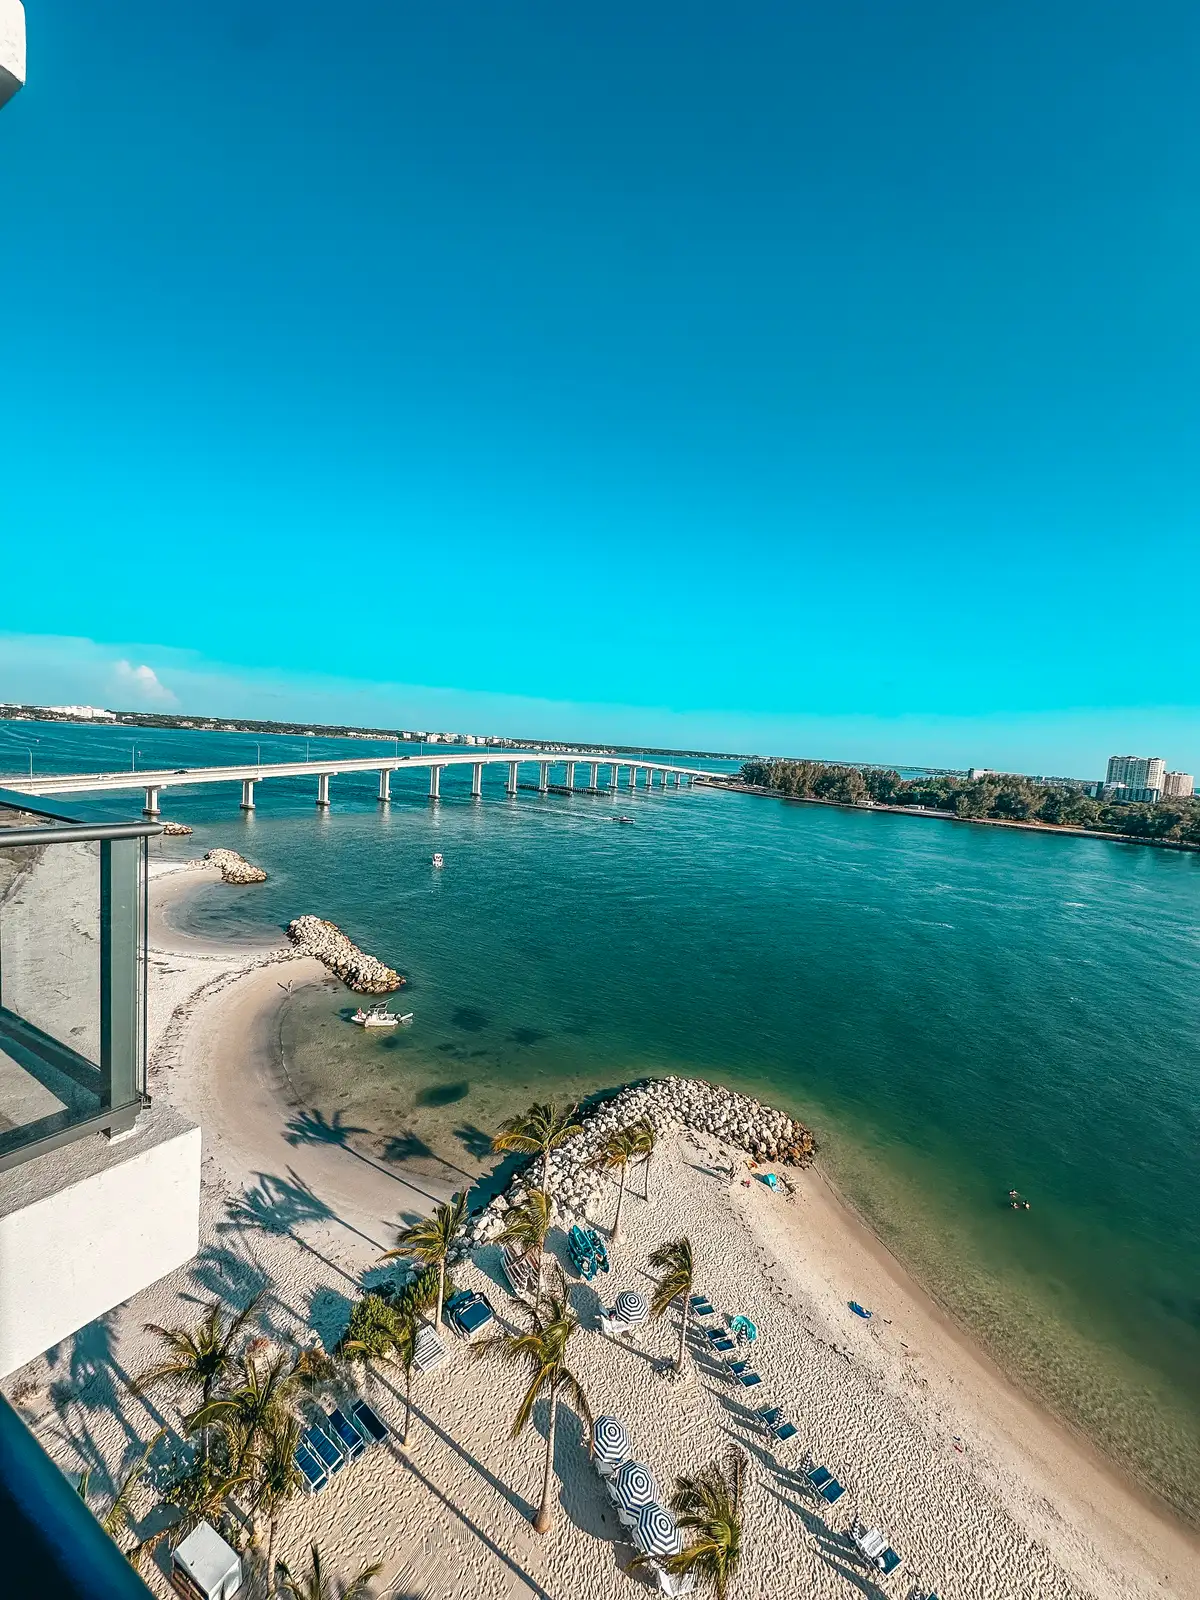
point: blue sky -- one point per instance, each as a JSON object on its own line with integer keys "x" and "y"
{"x": 788, "y": 376}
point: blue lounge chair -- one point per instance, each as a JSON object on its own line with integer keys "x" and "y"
{"x": 467, "y": 1312}
{"x": 743, "y": 1374}
{"x": 369, "y": 1420}
{"x": 889, "y": 1561}
{"x": 346, "y": 1434}
{"x": 330, "y": 1454}
{"x": 718, "y": 1339}
{"x": 826, "y": 1485}
{"x": 314, "y": 1474}
{"x": 776, "y": 1423}
{"x": 701, "y": 1306}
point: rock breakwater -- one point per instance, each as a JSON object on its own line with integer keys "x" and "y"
{"x": 683, "y": 1103}
{"x": 234, "y": 868}
{"x": 175, "y": 830}
{"x": 365, "y": 974}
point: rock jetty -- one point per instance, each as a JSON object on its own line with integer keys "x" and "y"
{"x": 690, "y": 1103}
{"x": 174, "y": 830}
{"x": 234, "y": 868}
{"x": 366, "y": 974}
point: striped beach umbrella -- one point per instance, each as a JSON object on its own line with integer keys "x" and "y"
{"x": 610, "y": 1443}
{"x": 655, "y": 1533}
{"x": 632, "y": 1307}
{"x": 634, "y": 1487}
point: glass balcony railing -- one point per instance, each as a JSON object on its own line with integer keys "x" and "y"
{"x": 72, "y": 976}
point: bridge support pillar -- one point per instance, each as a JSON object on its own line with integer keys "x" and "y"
{"x": 570, "y": 774}
{"x": 435, "y": 783}
{"x": 512, "y": 777}
{"x": 633, "y": 777}
{"x": 543, "y": 776}
{"x": 247, "y": 794}
{"x": 323, "y": 790}
{"x": 385, "y": 783}
{"x": 477, "y": 780}
{"x": 150, "y": 809}
{"x": 593, "y": 774}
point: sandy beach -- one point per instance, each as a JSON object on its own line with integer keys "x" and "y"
{"x": 981, "y": 1492}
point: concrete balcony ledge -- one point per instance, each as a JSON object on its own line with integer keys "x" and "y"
{"x": 84, "y": 1227}
{"x": 12, "y": 48}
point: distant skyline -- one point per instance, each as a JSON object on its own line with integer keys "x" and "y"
{"x": 803, "y": 380}
{"x": 40, "y": 671}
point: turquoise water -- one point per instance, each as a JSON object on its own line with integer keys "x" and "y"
{"x": 956, "y": 1011}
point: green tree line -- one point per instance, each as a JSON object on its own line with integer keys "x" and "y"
{"x": 1005, "y": 797}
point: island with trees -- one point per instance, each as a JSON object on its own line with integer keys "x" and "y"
{"x": 990, "y": 797}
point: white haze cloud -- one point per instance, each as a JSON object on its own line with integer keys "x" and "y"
{"x": 141, "y": 687}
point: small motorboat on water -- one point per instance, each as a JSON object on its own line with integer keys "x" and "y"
{"x": 628, "y": 821}
{"x": 378, "y": 1016}
{"x": 437, "y": 859}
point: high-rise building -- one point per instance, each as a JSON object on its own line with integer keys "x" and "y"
{"x": 1135, "y": 778}
{"x": 1179, "y": 786}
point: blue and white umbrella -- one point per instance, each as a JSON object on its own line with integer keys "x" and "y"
{"x": 655, "y": 1533}
{"x": 634, "y": 1487}
{"x": 610, "y": 1443}
{"x": 632, "y": 1307}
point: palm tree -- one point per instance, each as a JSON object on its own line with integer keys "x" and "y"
{"x": 430, "y": 1240}
{"x": 259, "y": 1403}
{"x": 200, "y": 1358}
{"x": 527, "y": 1225}
{"x": 710, "y": 1508}
{"x": 115, "y": 1520}
{"x": 404, "y": 1354}
{"x": 645, "y": 1137}
{"x": 674, "y": 1261}
{"x": 316, "y": 1584}
{"x": 616, "y": 1152}
{"x": 543, "y": 1350}
{"x": 537, "y": 1131}
{"x": 276, "y": 1478}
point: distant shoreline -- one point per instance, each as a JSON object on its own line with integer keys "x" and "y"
{"x": 1053, "y": 828}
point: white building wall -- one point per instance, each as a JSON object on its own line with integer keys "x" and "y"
{"x": 84, "y": 1227}
{"x": 12, "y": 48}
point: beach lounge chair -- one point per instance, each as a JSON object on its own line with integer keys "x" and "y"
{"x": 430, "y": 1352}
{"x": 310, "y": 1469}
{"x": 826, "y": 1485}
{"x": 776, "y": 1423}
{"x": 517, "y": 1268}
{"x": 369, "y": 1420}
{"x": 330, "y": 1454}
{"x": 701, "y": 1306}
{"x": 675, "y": 1583}
{"x": 743, "y": 1374}
{"x": 468, "y": 1312}
{"x": 718, "y": 1339}
{"x": 346, "y": 1434}
{"x": 873, "y": 1546}
{"x": 580, "y": 1251}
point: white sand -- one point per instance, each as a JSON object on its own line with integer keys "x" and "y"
{"x": 1023, "y": 1510}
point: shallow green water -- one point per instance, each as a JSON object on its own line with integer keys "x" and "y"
{"x": 956, "y": 1010}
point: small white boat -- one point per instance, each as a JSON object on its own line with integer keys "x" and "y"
{"x": 437, "y": 859}
{"x": 378, "y": 1016}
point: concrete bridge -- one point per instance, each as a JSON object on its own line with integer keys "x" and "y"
{"x": 639, "y": 773}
